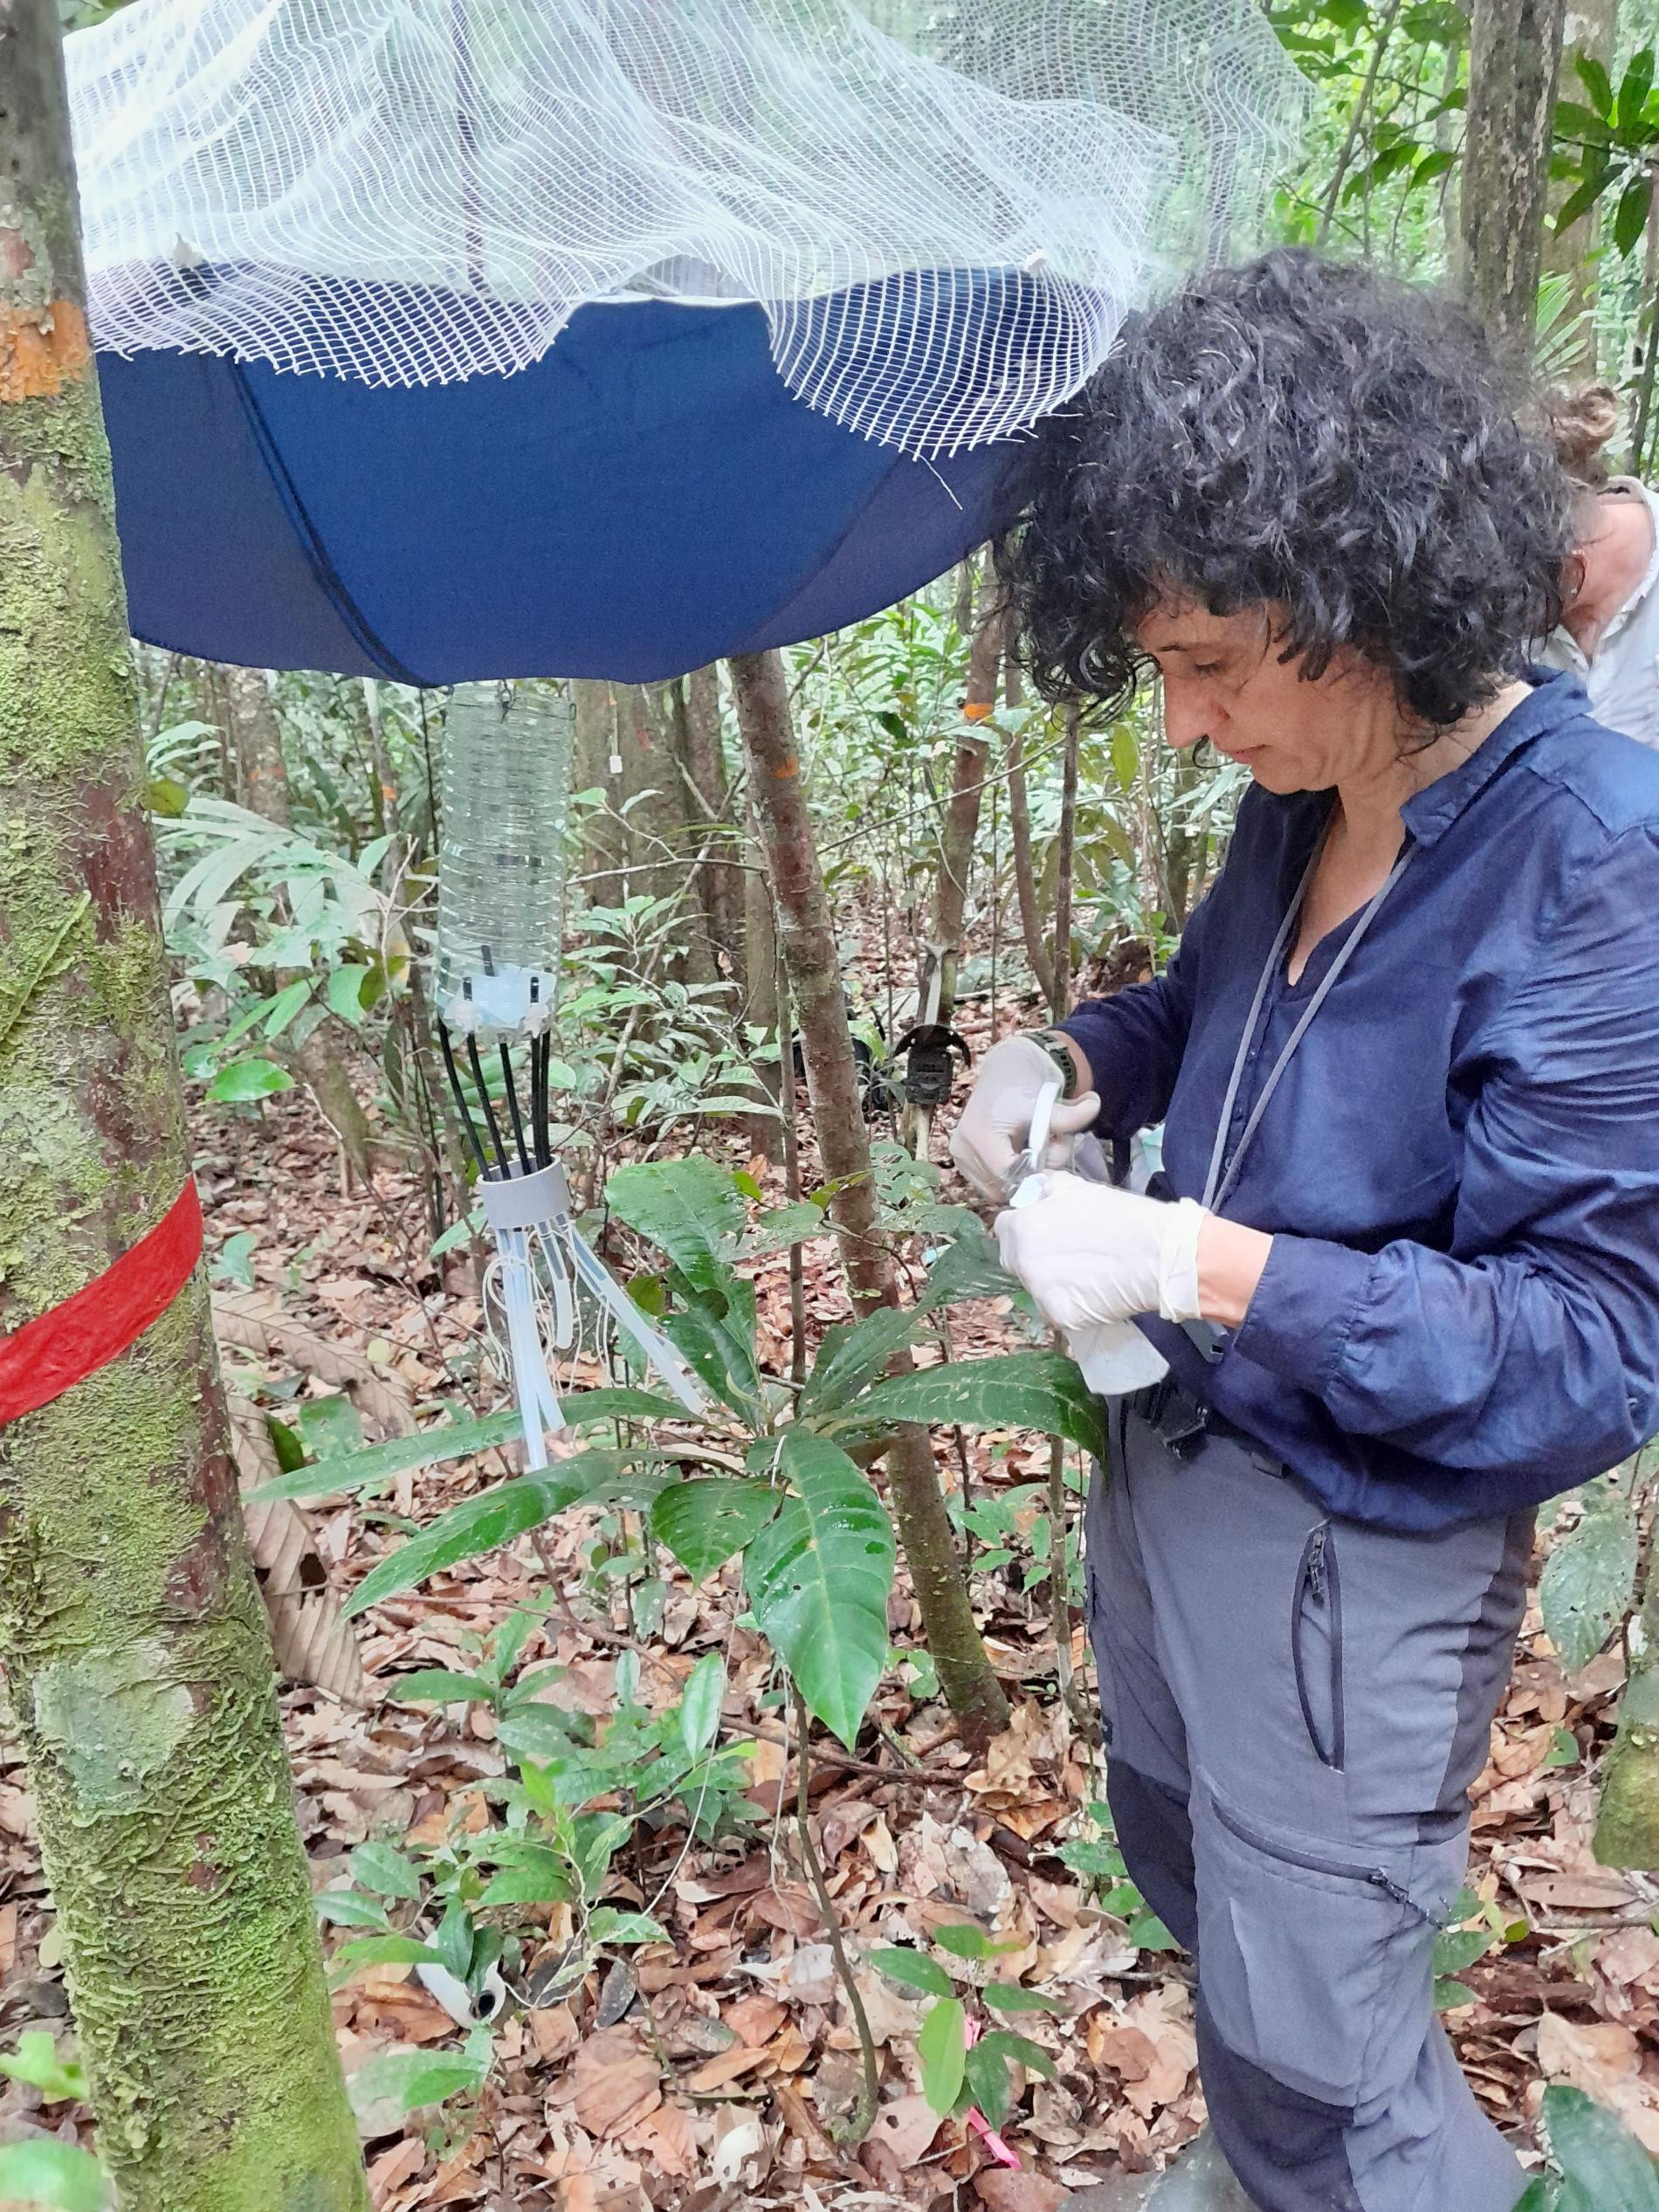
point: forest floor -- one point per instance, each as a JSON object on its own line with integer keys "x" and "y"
{"x": 710, "y": 2071}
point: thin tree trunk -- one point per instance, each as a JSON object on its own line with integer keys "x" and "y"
{"x": 604, "y": 840}
{"x": 760, "y": 998}
{"x": 967, "y": 783}
{"x": 363, "y": 694}
{"x": 1514, "y": 61}
{"x": 261, "y": 775}
{"x": 131, "y": 1626}
{"x": 263, "y": 788}
{"x": 1036, "y": 949}
{"x": 809, "y": 954}
{"x": 1591, "y": 29}
{"x": 703, "y": 765}
{"x": 1060, "y": 992}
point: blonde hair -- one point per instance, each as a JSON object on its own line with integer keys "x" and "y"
{"x": 1582, "y": 420}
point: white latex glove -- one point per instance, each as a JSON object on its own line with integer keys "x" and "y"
{"x": 996, "y": 1121}
{"x": 1089, "y": 1254}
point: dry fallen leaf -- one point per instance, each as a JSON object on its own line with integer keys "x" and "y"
{"x": 617, "y": 2082}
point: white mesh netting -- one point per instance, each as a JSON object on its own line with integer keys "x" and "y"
{"x": 944, "y": 209}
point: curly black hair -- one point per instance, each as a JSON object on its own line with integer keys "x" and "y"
{"x": 1307, "y": 434}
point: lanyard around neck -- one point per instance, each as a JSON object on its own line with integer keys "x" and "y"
{"x": 1218, "y": 1184}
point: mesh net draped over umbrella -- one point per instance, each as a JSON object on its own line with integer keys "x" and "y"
{"x": 944, "y": 211}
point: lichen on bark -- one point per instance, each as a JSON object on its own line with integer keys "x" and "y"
{"x": 130, "y": 1625}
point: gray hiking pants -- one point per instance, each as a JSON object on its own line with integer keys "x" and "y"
{"x": 1295, "y": 1707}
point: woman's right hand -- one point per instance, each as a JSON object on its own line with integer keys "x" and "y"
{"x": 996, "y": 1121}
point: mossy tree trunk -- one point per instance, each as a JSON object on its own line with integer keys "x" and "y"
{"x": 131, "y": 1627}
{"x": 811, "y": 959}
{"x": 1628, "y": 1827}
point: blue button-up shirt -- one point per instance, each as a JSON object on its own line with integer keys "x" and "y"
{"x": 1460, "y": 1166}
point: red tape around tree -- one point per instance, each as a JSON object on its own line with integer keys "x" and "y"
{"x": 49, "y": 1355}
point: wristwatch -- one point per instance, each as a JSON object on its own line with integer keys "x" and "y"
{"x": 1054, "y": 1044}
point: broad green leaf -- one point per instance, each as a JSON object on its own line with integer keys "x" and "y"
{"x": 1021, "y": 2049}
{"x": 56, "y": 2175}
{"x": 384, "y": 1869}
{"x": 700, "y": 1701}
{"x": 1040, "y": 1390}
{"x": 166, "y": 795}
{"x": 962, "y": 1939}
{"x": 407, "y": 2080}
{"x": 1449, "y": 1994}
{"x": 536, "y": 1731}
{"x": 785, "y": 1226}
{"x": 703, "y": 1522}
{"x": 718, "y": 1346}
{"x": 387, "y": 1951}
{"x": 246, "y": 1080}
{"x": 851, "y": 1358}
{"x": 689, "y": 1208}
{"x": 1633, "y": 92}
{"x": 1599, "y": 2154}
{"x": 536, "y": 1876}
{"x": 1458, "y": 1948}
{"x": 329, "y": 1427}
{"x": 285, "y": 1005}
{"x": 1126, "y": 756}
{"x": 1542, "y": 2195}
{"x": 941, "y": 2049}
{"x": 1597, "y": 177}
{"x": 483, "y": 1523}
{"x": 36, "y": 2061}
{"x": 345, "y": 993}
{"x": 1630, "y": 218}
{"x": 350, "y": 1909}
{"x": 914, "y": 1968}
{"x": 1014, "y": 1996}
{"x": 379, "y": 1463}
{"x": 607, "y": 1925}
{"x": 1148, "y": 1932}
{"x": 437, "y": 1686}
{"x": 1593, "y": 77}
{"x": 818, "y": 1577}
{"x": 986, "y": 2069}
{"x": 1588, "y": 1579}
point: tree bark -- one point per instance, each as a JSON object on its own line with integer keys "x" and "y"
{"x": 1514, "y": 62}
{"x": 710, "y": 812}
{"x": 967, "y": 784}
{"x": 1036, "y": 949}
{"x": 261, "y": 775}
{"x": 810, "y": 957}
{"x": 761, "y": 1009}
{"x": 131, "y": 1626}
{"x": 1060, "y": 978}
{"x": 1627, "y": 1831}
{"x": 1591, "y": 28}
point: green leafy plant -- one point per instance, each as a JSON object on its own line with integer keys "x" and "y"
{"x": 965, "y": 2055}
{"x": 1598, "y": 2165}
{"x": 1471, "y": 1932}
{"x": 577, "y": 1792}
{"x": 813, "y": 1536}
{"x": 1097, "y": 1859}
{"x": 56, "y": 2176}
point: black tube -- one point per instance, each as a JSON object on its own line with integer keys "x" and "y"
{"x": 462, "y": 1107}
{"x": 513, "y": 1107}
{"x": 541, "y": 1055}
{"x": 477, "y": 1066}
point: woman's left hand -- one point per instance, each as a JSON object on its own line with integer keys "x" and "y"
{"x": 1089, "y": 1253}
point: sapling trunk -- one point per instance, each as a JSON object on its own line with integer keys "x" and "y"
{"x": 967, "y": 784}
{"x": 1628, "y": 1827}
{"x": 809, "y": 954}
{"x": 1514, "y": 60}
{"x": 1036, "y": 949}
{"x": 130, "y": 1629}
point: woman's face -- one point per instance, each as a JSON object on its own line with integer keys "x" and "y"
{"x": 1224, "y": 678}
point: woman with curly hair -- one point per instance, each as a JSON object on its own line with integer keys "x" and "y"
{"x": 1609, "y": 632}
{"x": 1403, "y": 1266}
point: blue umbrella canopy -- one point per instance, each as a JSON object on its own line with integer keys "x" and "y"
{"x": 452, "y": 339}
